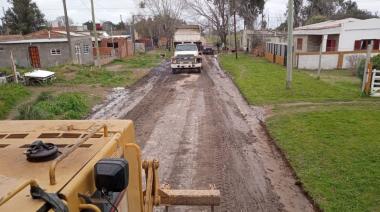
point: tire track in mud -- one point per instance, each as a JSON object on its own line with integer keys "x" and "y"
{"x": 241, "y": 191}
{"x": 203, "y": 132}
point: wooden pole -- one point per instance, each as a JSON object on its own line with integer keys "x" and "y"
{"x": 67, "y": 25}
{"x": 236, "y": 53}
{"x": 289, "y": 73}
{"x": 95, "y": 34}
{"x": 367, "y": 61}
{"x": 133, "y": 35}
{"x": 14, "y": 68}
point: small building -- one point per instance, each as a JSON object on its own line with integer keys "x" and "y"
{"x": 120, "y": 46}
{"x": 250, "y": 39}
{"x": 46, "y": 48}
{"x": 339, "y": 40}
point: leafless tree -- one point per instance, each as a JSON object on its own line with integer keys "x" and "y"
{"x": 168, "y": 12}
{"x": 354, "y": 60}
{"x": 215, "y": 12}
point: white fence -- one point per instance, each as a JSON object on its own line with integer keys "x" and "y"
{"x": 375, "y": 85}
{"x": 330, "y": 60}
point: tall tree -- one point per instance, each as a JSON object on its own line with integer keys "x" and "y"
{"x": 24, "y": 17}
{"x": 298, "y": 4}
{"x": 215, "y": 13}
{"x": 61, "y": 21}
{"x": 88, "y": 25}
{"x": 168, "y": 11}
{"x": 248, "y": 10}
{"x": 350, "y": 9}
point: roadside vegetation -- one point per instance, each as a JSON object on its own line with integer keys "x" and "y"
{"x": 48, "y": 107}
{"x": 76, "y": 86}
{"x": 10, "y": 96}
{"x": 335, "y": 152}
{"x": 263, "y": 83}
{"x": 328, "y": 132}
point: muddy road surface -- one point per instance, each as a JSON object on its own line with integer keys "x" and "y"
{"x": 203, "y": 132}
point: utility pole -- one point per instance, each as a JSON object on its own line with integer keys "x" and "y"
{"x": 236, "y": 53}
{"x": 133, "y": 34}
{"x": 367, "y": 61}
{"x": 290, "y": 45}
{"x": 121, "y": 21}
{"x": 67, "y": 25}
{"x": 113, "y": 44}
{"x": 320, "y": 60}
{"x": 228, "y": 28}
{"x": 95, "y": 34}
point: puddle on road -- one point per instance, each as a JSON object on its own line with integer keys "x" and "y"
{"x": 188, "y": 79}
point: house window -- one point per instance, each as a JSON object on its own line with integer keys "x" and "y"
{"x": 86, "y": 49}
{"x": 331, "y": 45}
{"x": 363, "y": 44}
{"x": 299, "y": 43}
{"x": 114, "y": 45}
{"x": 77, "y": 49}
{"x": 55, "y": 51}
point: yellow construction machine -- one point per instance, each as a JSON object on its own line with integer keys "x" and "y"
{"x": 91, "y": 165}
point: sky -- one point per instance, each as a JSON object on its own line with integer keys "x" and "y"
{"x": 110, "y": 10}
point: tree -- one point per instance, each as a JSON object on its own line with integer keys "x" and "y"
{"x": 248, "y": 10}
{"x": 215, "y": 15}
{"x": 349, "y": 9}
{"x": 298, "y": 21}
{"x": 24, "y": 17}
{"x": 316, "y": 19}
{"x": 168, "y": 12}
{"x": 120, "y": 26}
{"x": 334, "y": 9}
{"x": 88, "y": 25}
{"x": 61, "y": 21}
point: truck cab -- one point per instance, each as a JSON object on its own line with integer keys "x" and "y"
{"x": 186, "y": 56}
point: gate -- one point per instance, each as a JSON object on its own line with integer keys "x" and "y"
{"x": 34, "y": 57}
{"x": 375, "y": 85}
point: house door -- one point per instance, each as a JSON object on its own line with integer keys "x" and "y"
{"x": 34, "y": 57}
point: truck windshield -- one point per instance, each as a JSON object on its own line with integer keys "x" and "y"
{"x": 190, "y": 47}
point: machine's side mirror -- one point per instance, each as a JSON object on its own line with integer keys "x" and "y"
{"x": 111, "y": 174}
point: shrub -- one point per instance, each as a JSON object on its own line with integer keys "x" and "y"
{"x": 360, "y": 68}
{"x": 376, "y": 62}
{"x": 354, "y": 60}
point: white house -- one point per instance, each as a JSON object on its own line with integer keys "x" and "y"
{"x": 340, "y": 39}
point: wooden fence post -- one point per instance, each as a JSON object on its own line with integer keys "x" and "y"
{"x": 14, "y": 68}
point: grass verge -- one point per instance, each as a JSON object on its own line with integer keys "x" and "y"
{"x": 10, "y": 96}
{"x": 262, "y": 82}
{"x": 335, "y": 152}
{"x": 49, "y": 107}
{"x": 332, "y": 143}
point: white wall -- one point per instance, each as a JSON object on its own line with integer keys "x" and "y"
{"x": 358, "y": 30}
{"x": 329, "y": 61}
{"x": 346, "y": 63}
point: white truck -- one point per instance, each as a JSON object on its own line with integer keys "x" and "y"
{"x": 188, "y": 44}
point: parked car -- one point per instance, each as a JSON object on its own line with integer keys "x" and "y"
{"x": 208, "y": 50}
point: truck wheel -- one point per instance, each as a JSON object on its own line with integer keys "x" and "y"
{"x": 174, "y": 71}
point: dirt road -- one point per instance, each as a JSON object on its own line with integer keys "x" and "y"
{"x": 203, "y": 132}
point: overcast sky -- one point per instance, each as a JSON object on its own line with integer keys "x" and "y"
{"x": 79, "y": 10}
